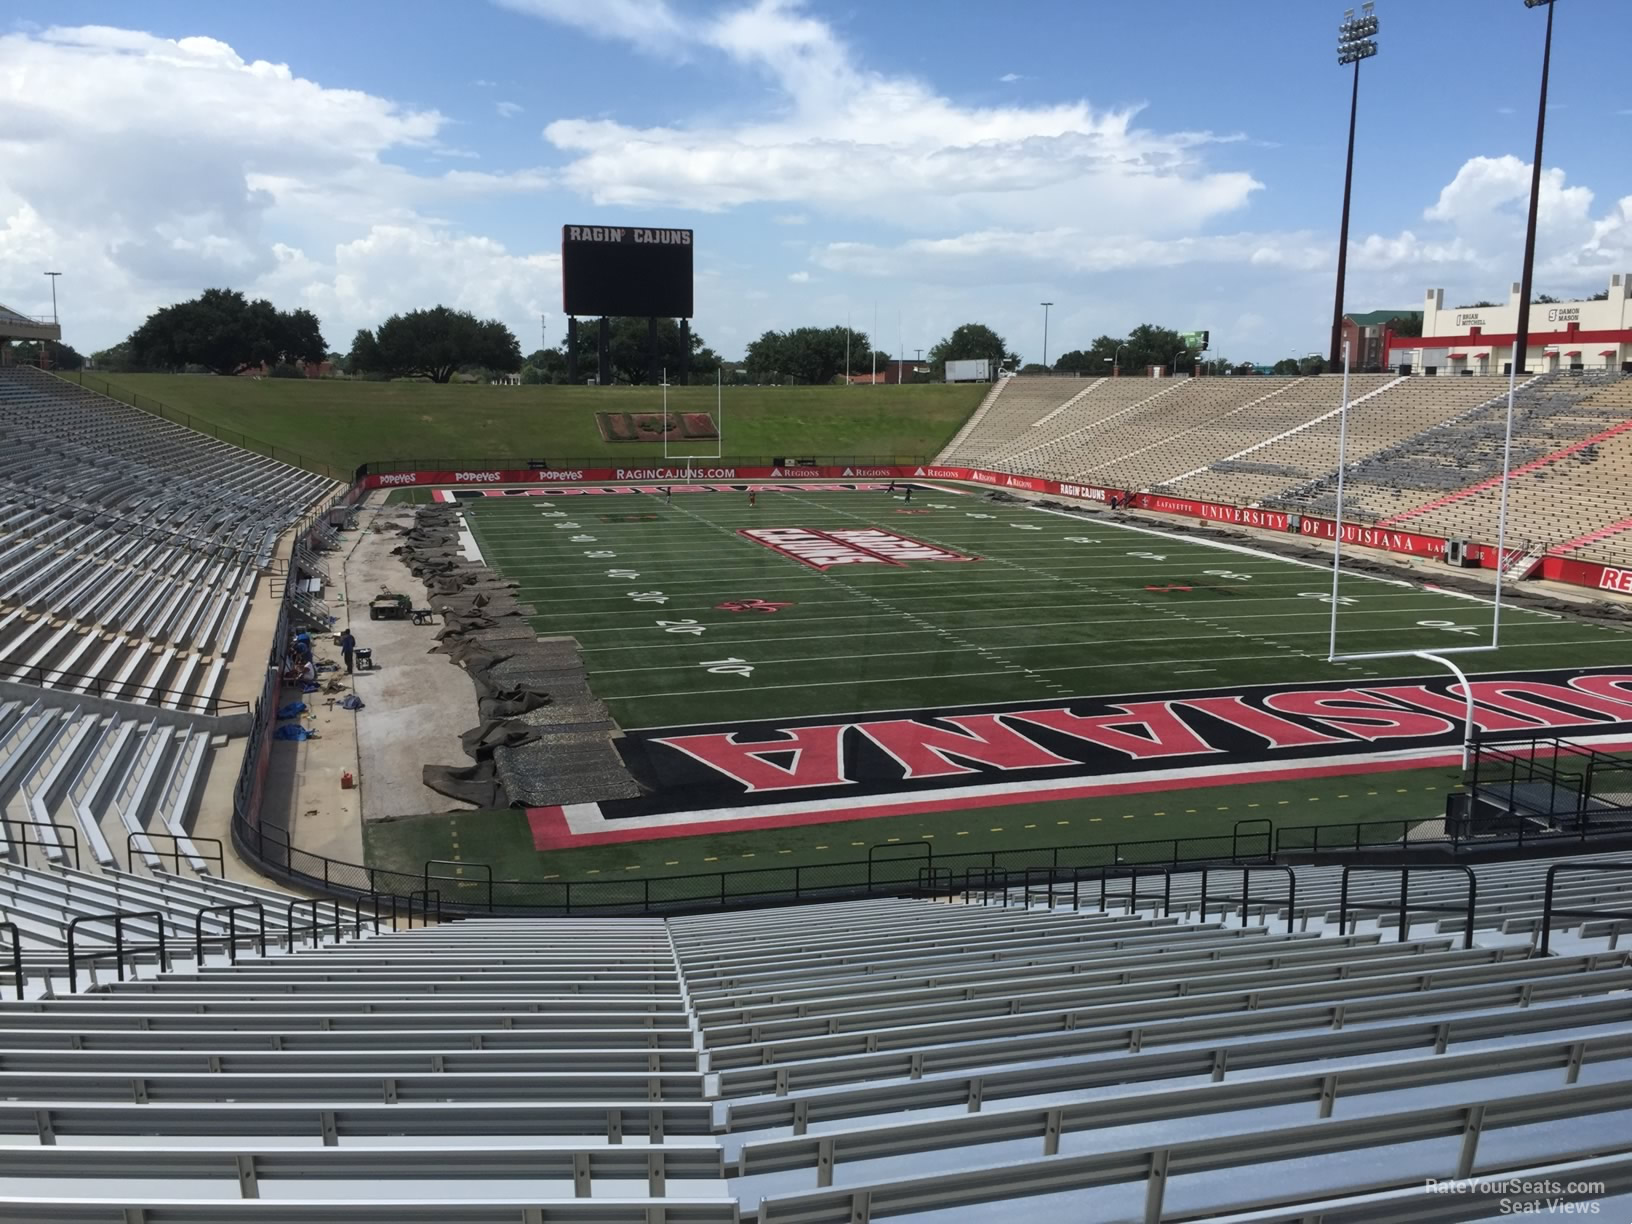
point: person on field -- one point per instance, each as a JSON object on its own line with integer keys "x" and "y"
{"x": 753, "y": 497}
{"x": 891, "y": 489}
{"x": 909, "y": 493}
{"x": 348, "y": 646}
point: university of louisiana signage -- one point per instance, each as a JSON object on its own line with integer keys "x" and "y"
{"x": 906, "y": 753}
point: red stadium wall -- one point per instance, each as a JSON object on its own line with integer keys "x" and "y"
{"x": 1407, "y": 543}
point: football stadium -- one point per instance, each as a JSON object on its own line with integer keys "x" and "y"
{"x": 1149, "y": 793}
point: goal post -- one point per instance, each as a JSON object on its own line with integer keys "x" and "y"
{"x": 1434, "y": 654}
{"x": 719, "y": 423}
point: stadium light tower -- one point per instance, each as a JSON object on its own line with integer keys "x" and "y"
{"x": 1356, "y": 41}
{"x": 1521, "y": 336}
{"x": 53, "y": 276}
{"x": 1046, "y": 305}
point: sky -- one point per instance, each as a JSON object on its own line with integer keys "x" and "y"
{"x": 914, "y": 161}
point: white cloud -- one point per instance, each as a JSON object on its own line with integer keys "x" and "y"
{"x": 1474, "y": 240}
{"x": 508, "y": 110}
{"x": 799, "y": 278}
{"x": 148, "y": 169}
{"x": 847, "y": 140}
{"x": 1008, "y": 78}
{"x": 791, "y": 219}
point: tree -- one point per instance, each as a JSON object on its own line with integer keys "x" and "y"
{"x": 57, "y": 355}
{"x": 1479, "y": 305}
{"x": 813, "y": 355}
{"x": 628, "y": 345}
{"x": 116, "y": 360}
{"x": 1286, "y": 365}
{"x": 1544, "y": 299}
{"x": 224, "y": 332}
{"x": 970, "y": 342}
{"x": 1406, "y": 325}
{"x": 1312, "y": 364}
{"x": 435, "y": 344}
{"x": 1601, "y": 296}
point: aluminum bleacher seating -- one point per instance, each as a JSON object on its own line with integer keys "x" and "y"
{"x": 130, "y": 546}
{"x": 887, "y": 1058}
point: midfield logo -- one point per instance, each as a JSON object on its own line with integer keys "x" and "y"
{"x": 751, "y": 605}
{"x": 847, "y": 546}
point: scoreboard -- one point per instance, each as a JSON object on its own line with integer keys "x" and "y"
{"x": 635, "y": 271}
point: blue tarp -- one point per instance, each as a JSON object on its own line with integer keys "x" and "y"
{"x": 293, "y": 710}
{"x": 351, "y": 702}
{"x": 292, "y": 731}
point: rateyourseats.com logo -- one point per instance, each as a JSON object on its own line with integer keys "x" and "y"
{"x": 1524, "y": 1197}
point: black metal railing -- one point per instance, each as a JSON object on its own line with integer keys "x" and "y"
{"x": 1405, "y": 907}
{"x": 209, "y": 850}
{"x": 21, "y": 834}
{"x": 457, "y": 881}
{"x": 43, "y": 676}
{"x": 1245, "y": 898}
{"x": 231, "y": 911}
{"x": 1549, "y": 910}
{"x": 316, "y": 926}
{"x": 120, "y": 949}
{"x": 10, "y": 929}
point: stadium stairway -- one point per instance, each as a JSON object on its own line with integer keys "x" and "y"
{"x": 847, "y": 1062}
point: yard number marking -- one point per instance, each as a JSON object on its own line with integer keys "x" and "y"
{"x": 656, "y": 597}
{"x": 681, "y": 626}
{"x": 622, "y": 573}
{"x": 729, "y": 667}
{"x": 1452, "y": 627}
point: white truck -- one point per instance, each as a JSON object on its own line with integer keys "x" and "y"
{"x": 969, "y": 371}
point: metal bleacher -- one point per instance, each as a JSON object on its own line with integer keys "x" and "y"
{"x": 970, "y": 1058}
{"x": 130, "y": 547}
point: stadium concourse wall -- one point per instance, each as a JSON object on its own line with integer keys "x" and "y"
{"x": 1405, "y": 543}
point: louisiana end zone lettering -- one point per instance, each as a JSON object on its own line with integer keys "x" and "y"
{"x": 847, "y": 546}
{"x": 868, "y": 756}
{"x": 636, "y": 271}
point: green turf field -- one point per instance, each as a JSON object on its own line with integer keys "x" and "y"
{"x": 342, "y": 423}
{"x": 1057, "y": 606}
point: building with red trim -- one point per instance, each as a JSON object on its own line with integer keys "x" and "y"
{"x": 1581, "y": 335}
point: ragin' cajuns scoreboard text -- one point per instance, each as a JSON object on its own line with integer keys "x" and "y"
{"x": 626, "y": 270}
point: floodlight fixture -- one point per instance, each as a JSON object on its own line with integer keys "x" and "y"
{"x": 1356, "y": 41}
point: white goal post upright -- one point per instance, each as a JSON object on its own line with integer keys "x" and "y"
{"x": 1435, "y": 654}
{"x": 719, "y": 424}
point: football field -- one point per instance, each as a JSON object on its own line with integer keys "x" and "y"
{"x": 958, "y": 666}
{"x": 682, "y": 619}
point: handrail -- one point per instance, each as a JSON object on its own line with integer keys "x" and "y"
{"x": 1548, "y": 909}
{"x": 45, "y": 676}
{"x": 231, "y": 911}
{"x": 117, "y": 917}
{"x": 16, "y": 956}
{"x": 1246, "y": 889}
{"x": 1131, "y": 873}
{"x": 427, "y": 893}
{"x": 487, "y": 867}
{"x": 70, "y": 845}
{"x": 1405, "y": 897}
{"x": 316, "y": 926}
{"x": 218, "y": 856}
{"x": 872, "y": 853}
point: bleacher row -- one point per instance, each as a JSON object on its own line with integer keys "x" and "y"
{"x": 883, "y": 1059}
{"x": 1422, "y": 451}
{"x": 129, "y": 546}
{"x": 80, "y": 783}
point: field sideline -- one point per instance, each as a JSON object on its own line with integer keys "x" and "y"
{"x": 661, "y": 594}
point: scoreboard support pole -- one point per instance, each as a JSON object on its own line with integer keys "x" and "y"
{"x": 685, "y": 351}
{"x": 572, "y": 350}
{"x": 651, "y": 353}
{"x": 603, "y": 372}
